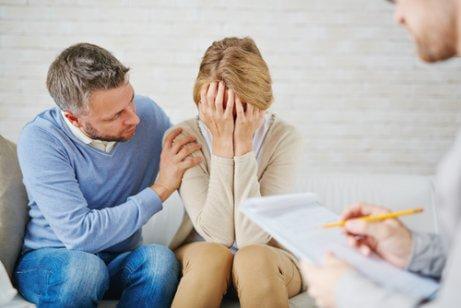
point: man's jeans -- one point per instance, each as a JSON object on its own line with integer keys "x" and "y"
{"x": 58, "y": 277}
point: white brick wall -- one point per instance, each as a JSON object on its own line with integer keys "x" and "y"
{"x": 343, "y": 72}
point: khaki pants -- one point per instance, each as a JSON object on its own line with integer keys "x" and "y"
{"x": 263, "y": 276}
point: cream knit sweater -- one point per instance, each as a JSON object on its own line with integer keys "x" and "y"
{"x": 213, "y": 191}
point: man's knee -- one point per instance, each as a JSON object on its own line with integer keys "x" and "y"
{"x": 69, "y": 278}
{"x": 86, "y": 278}
{"x": 155, "y": 264}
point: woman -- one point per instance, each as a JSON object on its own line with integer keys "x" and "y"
{"x": 248, "y": 152}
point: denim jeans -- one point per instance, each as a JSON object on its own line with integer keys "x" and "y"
{"x": 58, "y": 277}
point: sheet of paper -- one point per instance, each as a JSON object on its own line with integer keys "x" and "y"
{"x": 295, "y": 221}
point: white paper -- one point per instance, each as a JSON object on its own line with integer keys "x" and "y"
{"x": 296, "y": 222}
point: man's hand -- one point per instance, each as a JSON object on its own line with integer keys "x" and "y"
{"x": 322, "y": 280}
{"x": 246, "y": 124}
{"x": 389, "y": 239}
{"x": 218, "y": 117}
{"x": 175, "y": 159}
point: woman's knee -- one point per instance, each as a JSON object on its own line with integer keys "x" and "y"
{"x": 254, "y": 262}
{"x": 255, "y": 257}
{"x": 206, "y": 257}
{"x": 209, "y": 256}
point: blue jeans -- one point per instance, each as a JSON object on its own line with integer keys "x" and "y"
{"x": 58, "y": 277}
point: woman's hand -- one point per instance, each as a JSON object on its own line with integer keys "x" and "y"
{"x": 217, "y": 117}
{"x": 246, "y": 124}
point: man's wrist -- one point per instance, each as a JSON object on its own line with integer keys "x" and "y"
{"x": 162, "y": 191}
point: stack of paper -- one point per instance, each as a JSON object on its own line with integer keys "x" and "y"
{"x": 295, "y": 221}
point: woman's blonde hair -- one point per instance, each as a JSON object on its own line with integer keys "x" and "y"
{"x": 237, "y": 62}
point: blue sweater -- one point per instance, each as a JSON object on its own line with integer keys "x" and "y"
{"x": 83, "y": 198}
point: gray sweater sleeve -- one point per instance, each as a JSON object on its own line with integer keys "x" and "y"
{"x": 428, "y": 255}
{"x": 449, "y": 294}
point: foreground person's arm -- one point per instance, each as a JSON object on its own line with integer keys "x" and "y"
{"x": 393, "y": 242}
{"x": 353, "y": 290}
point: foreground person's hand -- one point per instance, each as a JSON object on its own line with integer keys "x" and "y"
{"x": 175, "y": 159}
{"x": 389, "y": 239}
{"x": 323, "y": 280}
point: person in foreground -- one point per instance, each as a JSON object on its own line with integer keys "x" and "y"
{"x": 436, "y": 28}
{"x": 88, "y": 167}
{"x": 247, "y": 152}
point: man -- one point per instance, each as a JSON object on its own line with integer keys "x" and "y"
{"x": 88, "y": 167}
{"x": 436, "y": 29}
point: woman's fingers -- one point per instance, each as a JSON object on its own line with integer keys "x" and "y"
{"x": 250, "y": 110}
{"x": 220, "y": 98}
{"x": 203, "y": 92}
{"x": 239, "y": 107}
{"x": 230, "y": 102}
{"x": 258, "y": 114}
{"x": 211, "y": 95}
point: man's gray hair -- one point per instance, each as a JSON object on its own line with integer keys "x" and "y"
{"x": 79, "y": 70}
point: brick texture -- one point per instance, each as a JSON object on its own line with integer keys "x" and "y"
{"x": 343, "y": 73}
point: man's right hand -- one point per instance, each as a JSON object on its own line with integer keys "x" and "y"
{"x": 390, "y": 239}
{"x": 175, "y": 159}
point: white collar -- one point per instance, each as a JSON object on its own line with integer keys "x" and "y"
{"x": 105, "y": 146}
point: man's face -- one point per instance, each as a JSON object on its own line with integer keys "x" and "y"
{"x": 111, "y": 115}
{"x": 432, "y": 25}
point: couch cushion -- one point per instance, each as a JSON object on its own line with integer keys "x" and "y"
{"x": 13, "y": 205}
{"x": 336, "y": 191}
{"x": 161, "y": 228}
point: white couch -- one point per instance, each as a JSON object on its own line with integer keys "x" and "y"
{"x": 335, "y": 192}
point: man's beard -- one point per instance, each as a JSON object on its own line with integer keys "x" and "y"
{"x": 91, "y": 132}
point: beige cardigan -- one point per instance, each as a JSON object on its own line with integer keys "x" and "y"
{"x": 213, "y": 191}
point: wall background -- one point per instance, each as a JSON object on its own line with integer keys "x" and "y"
{"x": 343, "y": 72}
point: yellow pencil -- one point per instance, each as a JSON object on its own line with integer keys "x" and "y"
{"x": 376, "y": 218}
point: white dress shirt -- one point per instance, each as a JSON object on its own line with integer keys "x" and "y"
{"x": 105, "y": 146}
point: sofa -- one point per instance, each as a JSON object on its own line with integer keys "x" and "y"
{"x": 334, "y": 190}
